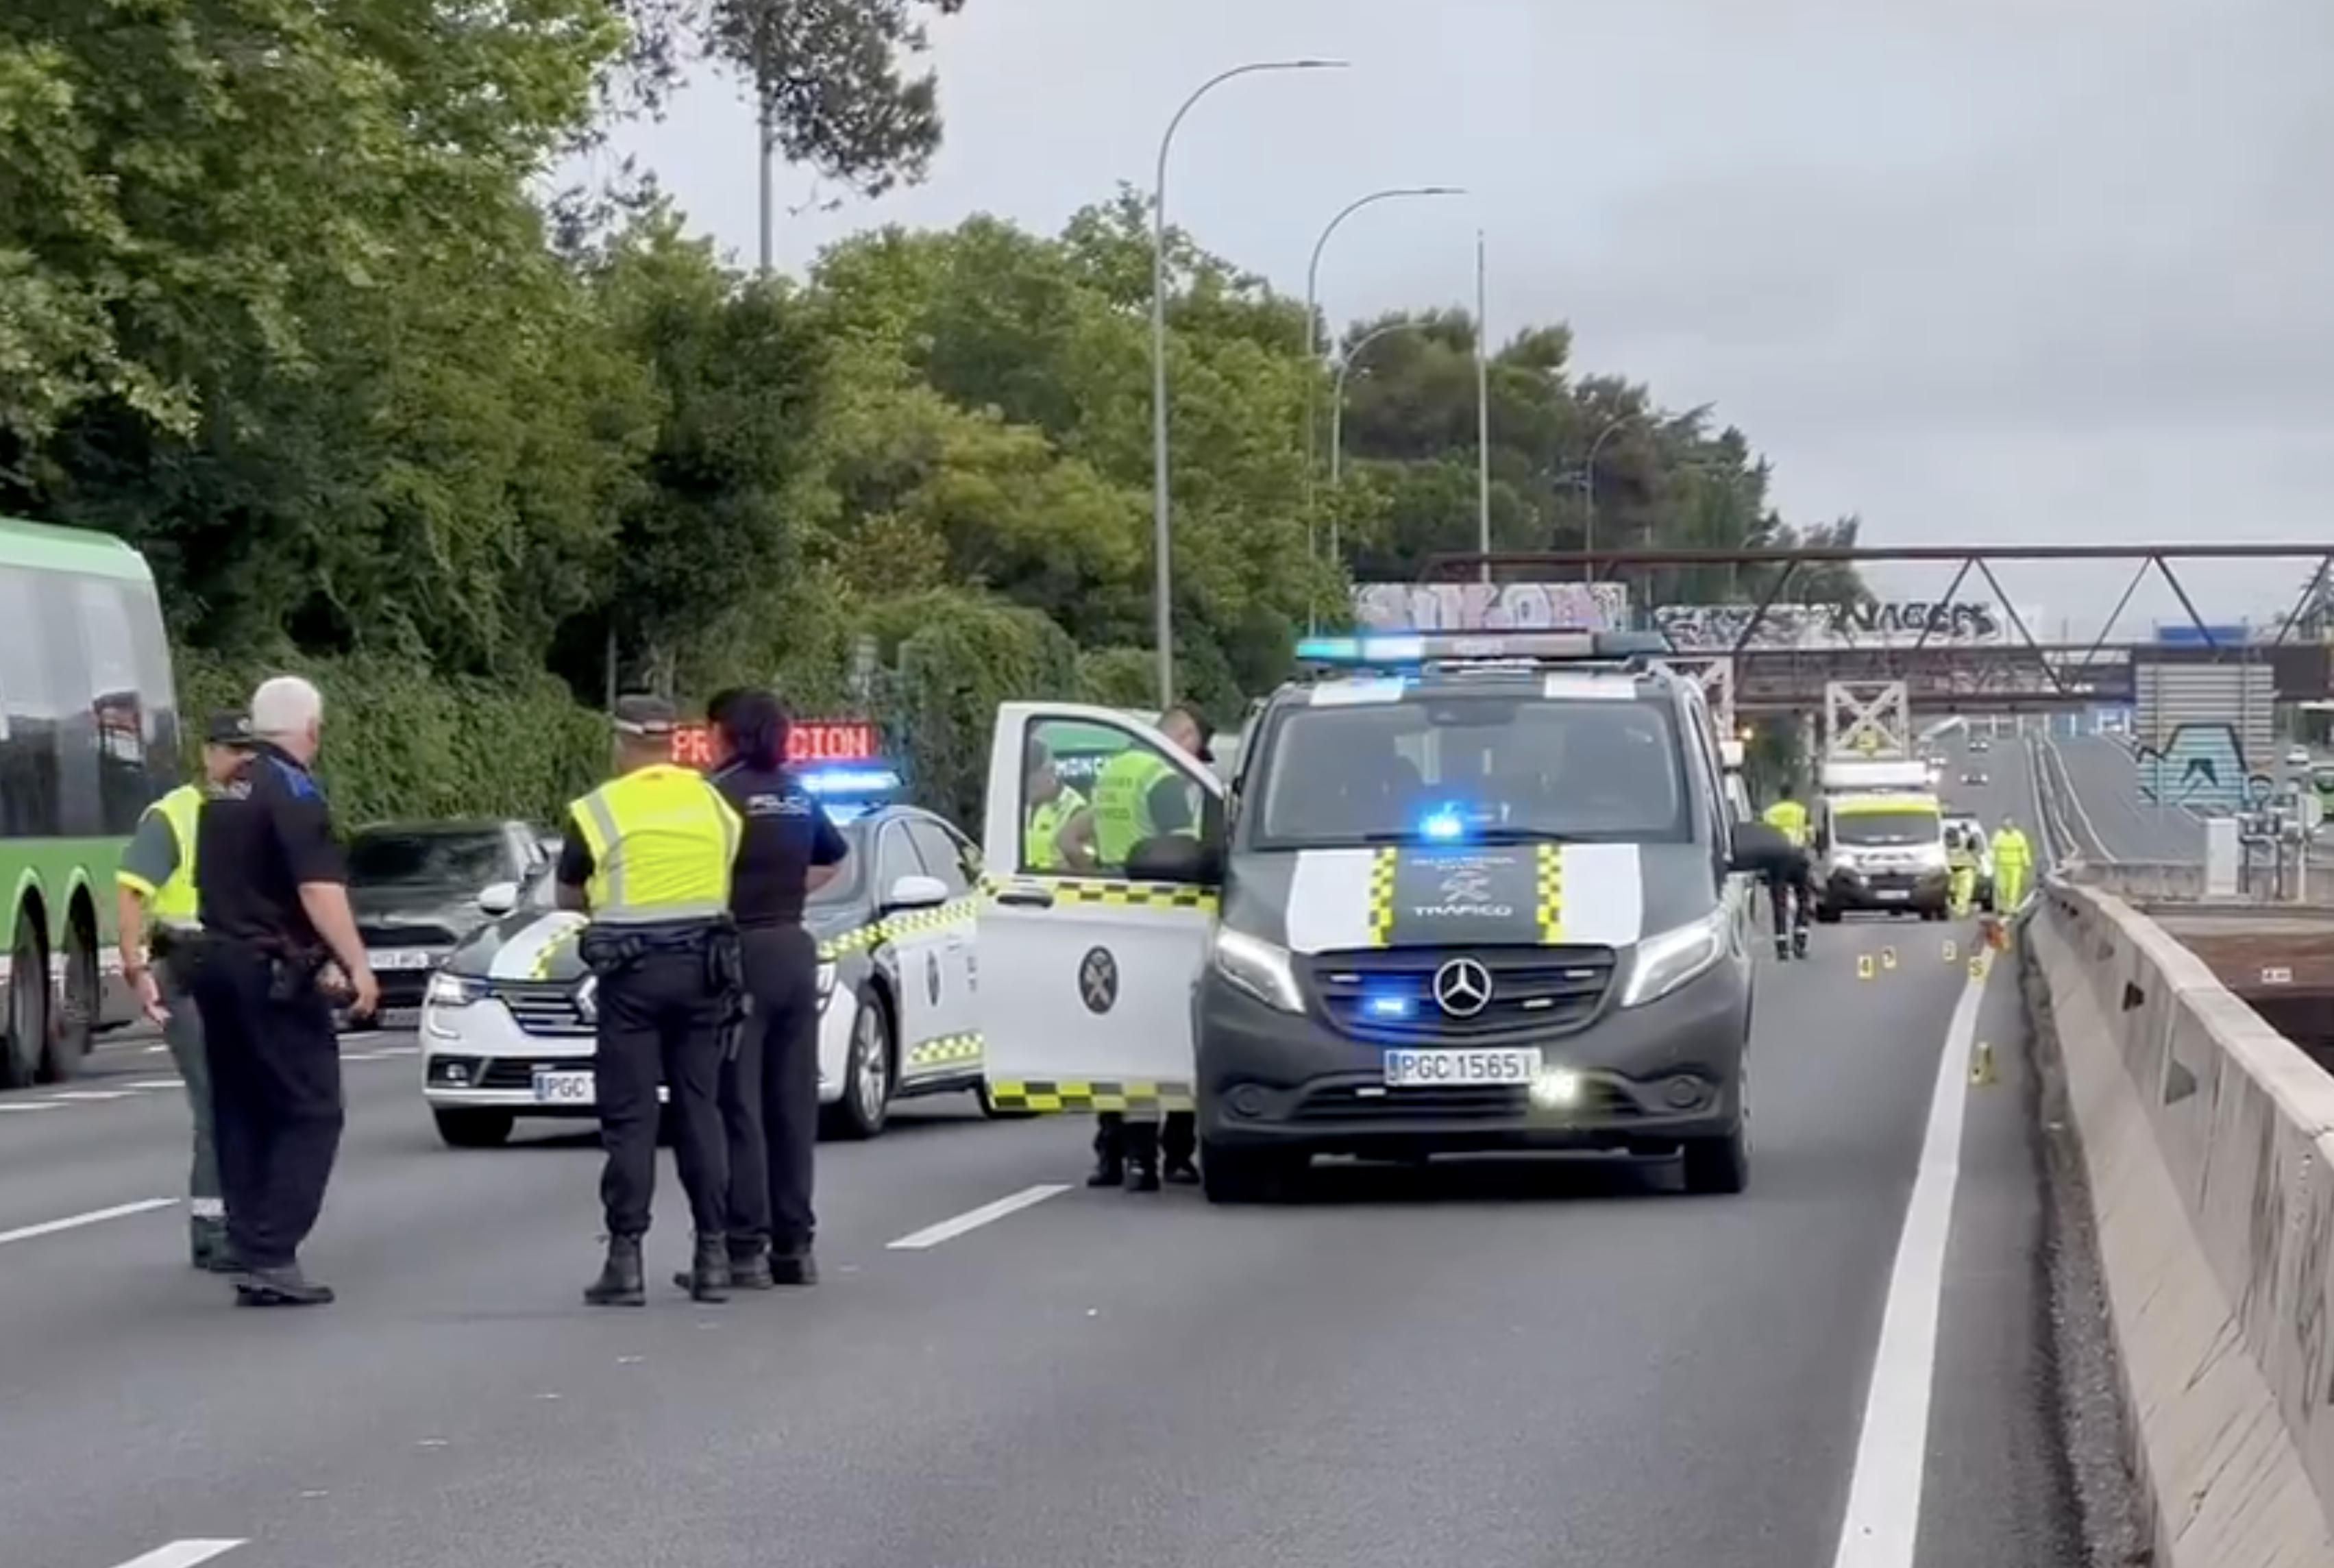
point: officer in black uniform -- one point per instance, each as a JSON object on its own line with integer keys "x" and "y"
{"x": 275, "y": 924}
{"x": 769, "y": 1087}
{"x": 649, "y": 855}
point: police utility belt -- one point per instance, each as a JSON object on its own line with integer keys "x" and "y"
{"x": 609, "y": 950}
{"x": 295, "y": 972}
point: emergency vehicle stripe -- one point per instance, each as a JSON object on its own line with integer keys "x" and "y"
{"x": 907, "y": 922}
{"x": 520, "y": 955}
{"x": 947, "y": 1051}
{"x": 1603, "y": 888}
{"x": 1046, "y": 1097}
{"x": 1548, "y": 907}
{"x": 1381, "y": 879}
{"x": 1091, "y": 891}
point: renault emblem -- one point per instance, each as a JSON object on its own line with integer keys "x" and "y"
{"x": 1463, "y": 988}
{"x": 587, "y": 999}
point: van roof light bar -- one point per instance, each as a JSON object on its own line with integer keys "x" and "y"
{"x": 1410, "y": 650}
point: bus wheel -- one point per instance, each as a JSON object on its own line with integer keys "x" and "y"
{"x": 82, "y": 1000}
{"x": 28, "y": 1007}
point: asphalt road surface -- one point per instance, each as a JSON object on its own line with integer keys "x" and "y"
{"x": 2109, "y": 812}
{"x": 1504, "y": 1364}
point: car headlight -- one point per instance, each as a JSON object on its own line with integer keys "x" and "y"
{"x": 453, "y": 991}
{"x": 1258, "y": 967}
{"x": 1663, "y": 963}
{"x": 825, "y": 979}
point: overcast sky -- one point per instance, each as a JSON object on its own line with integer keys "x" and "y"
{"x": 2051, "y": 271}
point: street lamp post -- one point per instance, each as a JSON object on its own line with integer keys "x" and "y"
{"x": 1163, "y": 571}
{"x": 1588, "y": 482}
{"x": 1312, "y": 307}
{"x": 1346, "y": 362}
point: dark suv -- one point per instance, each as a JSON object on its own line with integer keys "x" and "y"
{"x": 419, "y": 888}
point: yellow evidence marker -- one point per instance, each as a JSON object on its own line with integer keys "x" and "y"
{"x": 1863, "y": 966}
{"x": 1951, "y": 953}
{"x": 1887, "y": 958}
{"x": 1977, "y": 966}
{"x": 1982, "y": 1073}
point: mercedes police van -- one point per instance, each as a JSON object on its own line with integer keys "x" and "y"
{"x": 1463, "y": 893}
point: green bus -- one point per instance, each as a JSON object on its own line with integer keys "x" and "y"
{"x": 88, "y": 735}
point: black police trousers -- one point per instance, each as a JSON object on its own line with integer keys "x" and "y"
{"x": 660, "y": 1019}
{"x": 276, "y": 1098}
{"x": 1177, "y": 1136}
{"x": 769, "y": 1094}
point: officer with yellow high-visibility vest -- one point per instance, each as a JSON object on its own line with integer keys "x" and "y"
{"x": 649, "y": 855}
{"x": 156, "y": 903}
{"x": 2013, "y": 862}
{"x": 1059, "y": 834}
{"x": 1139, "y": 795}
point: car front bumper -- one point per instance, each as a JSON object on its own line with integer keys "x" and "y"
{"x": 1638, "y": 1080}
{"x": 1853, "y": 892}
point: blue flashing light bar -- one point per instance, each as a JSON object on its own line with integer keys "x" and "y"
{"x": 1397, "y": 649}
{"x": 851, "y": 783}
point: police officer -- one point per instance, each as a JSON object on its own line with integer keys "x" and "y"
{"x": 1961, "y": 861}
{"x": 769, "y": 1087}
{"x": 155, "y": 905}
{"x": 1059, "y": 834}
{"x": 2013, "y": 862}
{"x": 648, "y": 856}
{"x": 277, "y": 942}
{"x": 1790, "y": 882}
{"x": 1138, "y": 795}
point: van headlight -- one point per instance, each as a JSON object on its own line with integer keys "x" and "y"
{"x": 1666, "y": 961}
{"x": 1258, "y": 967}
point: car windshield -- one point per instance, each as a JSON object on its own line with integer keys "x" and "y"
{"x": 844, "y": 885}
{"x": 1881, "y": 830}
{"x": 420, "y": 857}
{"x": 1476, "y": 764}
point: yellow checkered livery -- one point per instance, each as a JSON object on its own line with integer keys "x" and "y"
{"x": 1098, "y": 1094}
{"x": 1382, "y": 870}
{"x": 554, "y": 951}
{"x": 1109, "y": 892}
{"x": 1549, "y": 900}
{"x": 948, "y": 1050}
{"x": 907, "y": 922}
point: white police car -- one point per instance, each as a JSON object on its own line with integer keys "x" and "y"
{"x": 506, "y": 1023}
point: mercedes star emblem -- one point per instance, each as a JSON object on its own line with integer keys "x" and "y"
{"x": 1463, "y": 988}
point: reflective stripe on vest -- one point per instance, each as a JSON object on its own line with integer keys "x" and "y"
{"x": 1047, "y": 821}
{"x": 663, "y": 842}
{"x": 1122, "y": 804}
{"x": 177, "y": 901}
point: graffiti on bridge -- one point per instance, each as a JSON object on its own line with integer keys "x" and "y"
{"x": 2201, "y": 766}
{"x": 1490, "y": 607}
{"x": 1900, "y": 624}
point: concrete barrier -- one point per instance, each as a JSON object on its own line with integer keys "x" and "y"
{"x": 2183, "y": 882}
{"x": 2209, "y": 1142}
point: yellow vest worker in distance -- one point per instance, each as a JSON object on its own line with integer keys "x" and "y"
{"x": 1788, "y": 818}
{"x": 1059, "y": 832}
{"x": 2013, "y": 863}
{"x": 1960, "y": 857}
{"x": 1139, "y": 796}
{"x": 156, "y": 885}
{"x": 649, "y": 855}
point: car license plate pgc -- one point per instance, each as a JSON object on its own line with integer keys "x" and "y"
{"x": 1433, "y": 1069}
{"x": 553, "y": 1087}
{"x": 385, "y": 959}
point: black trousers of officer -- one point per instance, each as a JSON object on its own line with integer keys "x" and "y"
{"x": 769, "y": 1094}
{"x": 1178, "y": 1135}
{"x": 660, "y": 1019}
{"x": 275, "y": 1097}
{"x": 1793, "y": 900}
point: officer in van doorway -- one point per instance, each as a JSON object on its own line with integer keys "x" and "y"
{"x": 156, "y": 903}
{"x": 1138, "y": 795}
{"x": 769, "y": 1084}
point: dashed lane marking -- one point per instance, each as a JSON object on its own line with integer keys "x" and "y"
{"x": 182, "y": 1555}
{"x": 1882, "y": 1523}
{"x": 948, "y": 1230}
{"x": 138, "y": 1089}
{"x": 78, "y": 1221}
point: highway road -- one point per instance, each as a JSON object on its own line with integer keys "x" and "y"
{"x": 2109, "y": 812}
{"x": 1505, "y": 1364}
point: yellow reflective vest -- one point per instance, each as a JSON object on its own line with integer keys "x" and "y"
{"x": 1047, "y": 821}
{"x": 177, "y": 901}
{"x": 1789, "y": 818}
{"x": 1122, "y": 804}
{"x": 663, "y": 844}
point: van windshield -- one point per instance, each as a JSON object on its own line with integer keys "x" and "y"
{"x": 1487, "y": 764}
{"x": 1881, "y": 830}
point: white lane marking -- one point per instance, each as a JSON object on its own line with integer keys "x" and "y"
{"x": 1883, "y": 1524}
{"x": 25, "y": 1105}
{"x": 94, "y": 1217}
{"x": 76, "y": 1096}
{"x": 183, "y": 1555}
{"x": 156, "y": 1083}
{"x": 973, "y": 1219}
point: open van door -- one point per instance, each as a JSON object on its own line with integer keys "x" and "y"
{"x": 1086, "y": 976}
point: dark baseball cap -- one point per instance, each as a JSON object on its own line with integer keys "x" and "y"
{"x": 650, "y": 717}
{"x": 229, "y": 729}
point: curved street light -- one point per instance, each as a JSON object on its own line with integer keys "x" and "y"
{"x": 1164, "y": 576}
{"x": 1346, "y": 362}
{"x": 1312, "y": 319}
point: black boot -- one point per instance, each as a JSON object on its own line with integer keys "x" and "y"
{"x": 1800, "y": 942}
{"x": 212, "y": 1252}
{"x": 1110, "y": 1153}
{"x": 1143, "y": 1158}
{"x": 708, "y": 1277}
{"x": 1109, "y": 1171}
{"x": 1782, "y": 946}
{"x": 794, "y": 1265}
{"x": 621, "y": 1282}
{"x": 749, "y": 1268}
{"x": 284, "y": 1287}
